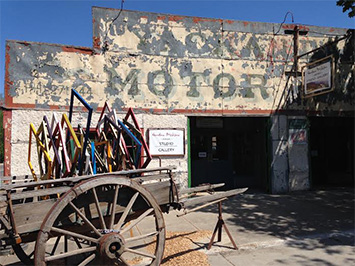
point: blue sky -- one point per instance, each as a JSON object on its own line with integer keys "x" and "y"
{"x": 70, "y": 22}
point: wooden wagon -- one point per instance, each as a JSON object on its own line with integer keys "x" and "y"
{"x": 114, "y": 218}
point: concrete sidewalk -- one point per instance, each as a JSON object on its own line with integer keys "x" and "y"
{"x": 258, "y": 221}
{"x": 254, "y": 219}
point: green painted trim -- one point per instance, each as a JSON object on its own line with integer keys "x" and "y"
{"x": 188, "y": 153}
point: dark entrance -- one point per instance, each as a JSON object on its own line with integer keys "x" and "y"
{"x": 332, "y": 151}
{"x": 229, "y": 150}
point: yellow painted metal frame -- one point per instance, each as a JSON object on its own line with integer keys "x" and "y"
{"x": 65, "y": 120}
{"x": 40, "y": 148}
{"x": 109, "y": 153}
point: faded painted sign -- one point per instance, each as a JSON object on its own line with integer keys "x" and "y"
{"x": 158, "y": 63}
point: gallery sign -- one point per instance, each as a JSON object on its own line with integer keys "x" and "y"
{"x": 166, "y": 142}
{"x": 318, "y": 77}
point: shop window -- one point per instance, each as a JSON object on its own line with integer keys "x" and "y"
{"x": 219, "y": 148}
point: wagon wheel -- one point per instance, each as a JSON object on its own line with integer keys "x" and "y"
{"x": 25, "y": 256}
{"x": 96, "y": 223}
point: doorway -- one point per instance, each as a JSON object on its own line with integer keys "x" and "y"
{"x": 230, "y": 150}
{"x": 332, "y": 151}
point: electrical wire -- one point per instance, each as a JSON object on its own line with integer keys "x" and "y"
{"x": 105, "y": 45}
{"x": 283, "y": 22}
{"x": 268, "y": 55}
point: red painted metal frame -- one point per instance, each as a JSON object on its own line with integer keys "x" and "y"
{"x": 130, "y": 114}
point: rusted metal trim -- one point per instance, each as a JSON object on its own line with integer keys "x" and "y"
{"x": 81, "y": 50}
{"x": 7, "y": 124}
{"x": 12, "y": 218}
{"x": 8, "y": 82}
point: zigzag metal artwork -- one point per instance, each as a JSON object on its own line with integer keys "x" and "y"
{"x": 111, "y": 145}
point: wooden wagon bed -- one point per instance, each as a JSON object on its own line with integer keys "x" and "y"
{"x": 112, "y": 218}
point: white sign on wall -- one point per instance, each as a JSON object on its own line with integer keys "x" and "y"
{"x": 317, "y": 77}
{"x": 166, "y": 142}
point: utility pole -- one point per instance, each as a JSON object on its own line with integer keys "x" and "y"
{"x": 296, "y": 32}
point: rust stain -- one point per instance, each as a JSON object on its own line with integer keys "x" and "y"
{"x": 8, "y": 82}
{"x": 175, "y": 18}
{"x": 7, "y": 118}
{"x": 292, "y": 26}
{"x": 96, "y": 42}
{"x": 245, "y": 23}
{"x": 229, "y": 21}
{"x": 198, "y": 20}
{"x": 209, "y": 111}
{"x": 25, "y": 43}
{"x": 77, "y": 50}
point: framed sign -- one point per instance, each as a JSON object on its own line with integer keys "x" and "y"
{"x": 297, "y": 136}
{"x": 318, "y": 77}
{"x": 166, "y": 142}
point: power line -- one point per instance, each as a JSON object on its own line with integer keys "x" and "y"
{"x": 105, "y": 45}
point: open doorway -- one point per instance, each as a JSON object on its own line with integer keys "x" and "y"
{"x": 230, "y": 150}
{"x": 332, "y": 151}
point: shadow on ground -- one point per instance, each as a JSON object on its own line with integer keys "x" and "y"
{"x": 301, "y": 215}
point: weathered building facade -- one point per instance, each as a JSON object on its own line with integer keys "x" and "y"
{"x": 221, "y": 81}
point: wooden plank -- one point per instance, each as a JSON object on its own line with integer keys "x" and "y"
{"x": 29, "y": 216}
{"x": 142, "y": 179}
{"x": 208, "y": 198}
{"x": 161, "y": 191}
{"x": 76, "y": 179}
{"x": 40, "y": 193}
{"x": 36, "y": 193}
{"x": 200, "y": 188}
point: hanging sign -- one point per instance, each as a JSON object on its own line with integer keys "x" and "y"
{"x": 318, "y": 77}
{"x": 166, "y": 142}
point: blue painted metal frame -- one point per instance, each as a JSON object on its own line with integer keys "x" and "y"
{"x": 87, "y": 130}
{"x": 133, "y": 137}
{"x": 93, "y": 159}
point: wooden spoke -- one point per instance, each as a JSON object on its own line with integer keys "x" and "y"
{"x": 113, "y": 212}
{"x": 126, "y": 211}
{"x": 82, "y": 216}
{"x": 70, "y": 253}
{"x": 77, "y": 242}
{"x": 135, "y": 222}
{"x": 76, "y": 235}
{"x": 87, "y": 260}
{"x": 140, "y": 253}
{"x": 97, "y": 204}
{"x": 55, "y": 245}
{"x": 65, "y": 244}
{"x": 135, "y": 238}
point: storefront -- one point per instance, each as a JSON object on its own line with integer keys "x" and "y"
{"x": 245, "y": 121}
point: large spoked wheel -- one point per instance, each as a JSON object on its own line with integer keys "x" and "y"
{"x": 25, "y": 256}
{"x": 103, "y": 221}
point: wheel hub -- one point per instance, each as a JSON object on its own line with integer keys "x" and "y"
{"x": 111, "y": 246}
